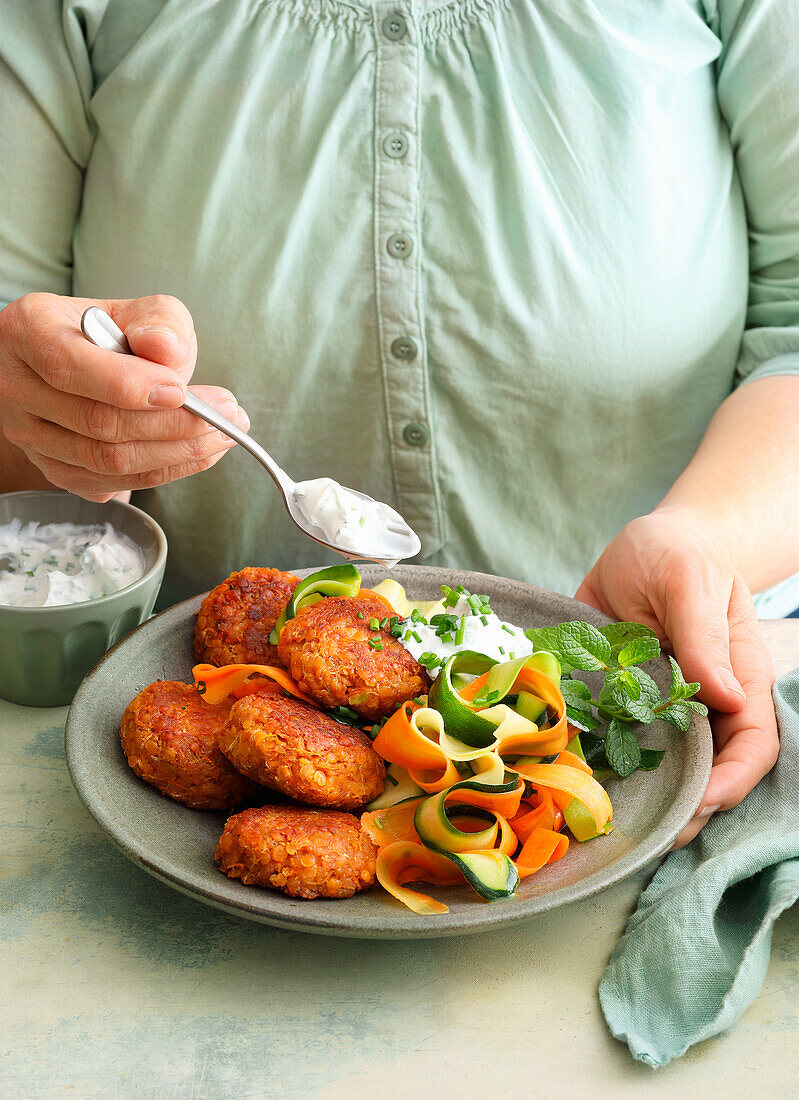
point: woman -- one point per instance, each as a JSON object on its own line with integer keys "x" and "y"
{"x": 505, "y": 265}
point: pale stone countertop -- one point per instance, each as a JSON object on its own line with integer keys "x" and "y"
{"x": 114, "y": 985}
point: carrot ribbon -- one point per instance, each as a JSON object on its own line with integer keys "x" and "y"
{"x": 215, "y": 684}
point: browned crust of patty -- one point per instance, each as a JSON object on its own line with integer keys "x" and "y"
{"x": 236, "y": 618}
{"x": 304, "y": 853}
{"x": 295, "y": 748}
{"x": 326, "y": 649}
{"x": 170, "y": 737}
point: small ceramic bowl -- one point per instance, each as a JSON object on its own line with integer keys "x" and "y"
{"x": 46, "y": 651}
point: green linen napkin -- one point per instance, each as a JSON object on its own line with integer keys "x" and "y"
{"x": 695, "y": 952}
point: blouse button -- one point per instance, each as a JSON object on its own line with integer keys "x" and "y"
{"x": 394, "y": 26}
{"x": 395, "y": 145}
{"x": 415, "y": 435}
{"x": 404, "y": 348}
{"x": 399, "y": 246}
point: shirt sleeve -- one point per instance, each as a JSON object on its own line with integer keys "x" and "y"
{"x": 758, "y": 94}
{"x": 45, "y": 138}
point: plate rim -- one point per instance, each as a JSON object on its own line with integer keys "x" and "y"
{"x": 402, "y": 923}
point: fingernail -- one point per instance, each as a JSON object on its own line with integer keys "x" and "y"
{"x": 157, "y": 330}
{"x": 707, "y": 811}
{"x": 169, "y": 396}
{"x": 730, "y": 682}
{"x": 243, "y": 420}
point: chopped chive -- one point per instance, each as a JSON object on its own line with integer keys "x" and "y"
{"x": 375, "y": 643}
{"x": 484, "y": 620}
{"x": 512, "y": 656}
{"x": 374, "y": 624}
{"x": 508, "y": 629}
{"x": 360, "y": 614}
{"x": 444, "y": 624}
{"x": 446, "y": 638}
{"x": 416, "y": 637}
{"x": 502, "y": 650}
{"x": 345, "y": 714}
{"x": 384, "y": 623}
{"x": 460, "y": 632}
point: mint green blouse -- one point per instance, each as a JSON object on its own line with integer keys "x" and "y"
{"x": 496, "y": 262}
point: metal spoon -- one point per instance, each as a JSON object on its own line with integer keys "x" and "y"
{"x": 398, "y": 539}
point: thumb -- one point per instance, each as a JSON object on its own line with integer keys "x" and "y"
{"x": 159, "y": 328}
{"x": 590, "y": 592}
{"x": 696, "y": 623}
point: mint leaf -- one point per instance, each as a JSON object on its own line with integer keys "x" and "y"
{"x": 677, "y": 714}
{"x": 612, "y": 691}
{"x": 618, "y": 700}
{"x": 583, "y": 718}
{"x": 630, "y": 684}
{"x": 593, "y": 750}
{"x": 650, "y": 759}
{"x": 622, "y": 749}
{"x": 543, "y": 637}
{"x": 698, "y": 707}
{"x": 575, "y": 691}
{"x": 578, "y": 703}
{"x": 650, "y": 693}
{"x": 547, "y": 637}
{"x": 638, "y": 650}
{"x": 679, "y": 688}
{"x": 583, "y": 646}
{"x": 619, "y": 634}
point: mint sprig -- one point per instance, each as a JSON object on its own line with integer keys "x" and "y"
{"x": 628, "y": 694}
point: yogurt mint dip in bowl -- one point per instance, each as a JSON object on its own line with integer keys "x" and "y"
{"x": 60, "y": 615}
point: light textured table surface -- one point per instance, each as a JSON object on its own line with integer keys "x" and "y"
{"x": 114, "y": 985}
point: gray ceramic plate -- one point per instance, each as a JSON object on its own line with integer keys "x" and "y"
{"x": 176, "y": 844}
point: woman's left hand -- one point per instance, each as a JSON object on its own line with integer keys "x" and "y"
{"x": 664, "y": 570}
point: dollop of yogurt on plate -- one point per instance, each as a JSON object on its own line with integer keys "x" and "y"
{"x": 52, "y": 564}
{"x": 469, "y": 624}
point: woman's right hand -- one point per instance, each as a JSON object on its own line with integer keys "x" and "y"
{"x": 97, "y": 423}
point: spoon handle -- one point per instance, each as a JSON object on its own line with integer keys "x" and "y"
{"x": 103, "y": 331}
